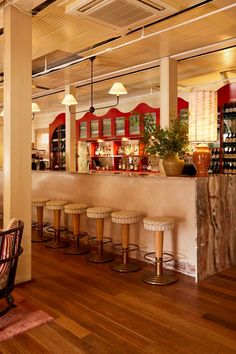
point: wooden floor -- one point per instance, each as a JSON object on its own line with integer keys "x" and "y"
{"x": 97, "y": 310}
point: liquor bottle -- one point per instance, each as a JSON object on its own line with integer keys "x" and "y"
{"x": 135, "y": 166}
{"x": 131, "y": 165}
{"x": 123, "y": 165}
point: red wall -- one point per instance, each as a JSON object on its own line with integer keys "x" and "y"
{"x": 226, "y": 94}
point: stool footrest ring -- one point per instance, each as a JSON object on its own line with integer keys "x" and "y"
{"x": 71, "y": 235}
{"x": 52, "y": 229}
{"x": 106, "y": 240}
{"x": 132, "y": 247}
{"x": 153, "y": 260}
{"x": 35, "y": 224}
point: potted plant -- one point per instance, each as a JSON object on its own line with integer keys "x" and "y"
{"x": 170, "y": 144}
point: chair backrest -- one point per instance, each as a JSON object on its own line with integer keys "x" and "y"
{"x": 10, "y": 250}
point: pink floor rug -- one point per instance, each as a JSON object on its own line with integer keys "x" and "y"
{"x": 21, "y": 318}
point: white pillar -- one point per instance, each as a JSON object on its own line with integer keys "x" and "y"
{"x": 70, "y": 133}
{"x": 17, "y": 127}
{"x": 168, "y": 91}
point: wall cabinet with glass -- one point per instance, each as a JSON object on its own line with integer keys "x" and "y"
{"x": 224, "y": 151}
{"x": 116, "y": 155}
{"x": 229, "y": 138}
{"x": 113, "y": 141}
{"x": 57, "y": 138}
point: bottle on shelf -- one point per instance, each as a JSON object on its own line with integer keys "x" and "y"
{"x": 123, "y": 165}
{"x": 131, "y": 165}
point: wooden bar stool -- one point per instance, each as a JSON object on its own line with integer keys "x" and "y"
{"x": 75, "y": 210}
{"x": 39, "y": 203}
{"x": 99, "y": 213}
{"x": 160, "y": 276}
{"x": 56, "y": 206}
{"x": 125, "y": 218}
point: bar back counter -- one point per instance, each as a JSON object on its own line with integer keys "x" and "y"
{"x": 204, "y": 239}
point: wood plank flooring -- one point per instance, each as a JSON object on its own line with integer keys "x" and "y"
{"x": 97, "y": 310}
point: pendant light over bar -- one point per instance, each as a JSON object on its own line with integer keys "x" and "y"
{"x": 116, "y": 89}
{"x": 202, "y": 127}
{"x": 35, "y": 108}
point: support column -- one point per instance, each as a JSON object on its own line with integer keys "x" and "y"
{"x": 168, "y": 93}
{"x": 70, "y": 133}
{"x": 17, "y": 127}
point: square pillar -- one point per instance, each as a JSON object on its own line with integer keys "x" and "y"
{"x": 17, "y": 127}
{"x": 70, "y": 132}
{"x": 168, "y": 92}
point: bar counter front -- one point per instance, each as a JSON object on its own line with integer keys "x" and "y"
{"x": 204, "y": 238}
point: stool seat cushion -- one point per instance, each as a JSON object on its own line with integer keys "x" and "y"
{"x": 75, "y": 208}
{"x": 125, "y": 217}
{"x": 39, "y": 202}
{"x": 99, "y": 212}
{"x": 56, "y": 204}
{"x": 158, "y": 223}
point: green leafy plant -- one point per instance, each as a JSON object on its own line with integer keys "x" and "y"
{"x": 165, "y": 141}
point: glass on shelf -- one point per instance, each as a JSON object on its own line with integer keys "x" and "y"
{"x": 83, "y": 130}
{"x": 120, "y": 126}
{"x": 106, "y": 127}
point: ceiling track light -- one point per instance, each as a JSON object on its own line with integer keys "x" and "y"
{"x": 116, "y": 89}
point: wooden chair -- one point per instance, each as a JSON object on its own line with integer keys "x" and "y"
{"x": 10, "y": 250}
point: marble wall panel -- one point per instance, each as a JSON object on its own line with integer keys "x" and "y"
{"x": 216, "y": 224}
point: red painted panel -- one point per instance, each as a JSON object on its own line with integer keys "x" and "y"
{"x": 226, "y": 94}
{"x": 59, "y": 120}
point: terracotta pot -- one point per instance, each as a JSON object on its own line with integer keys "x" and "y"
{"x": 173, "y": 166}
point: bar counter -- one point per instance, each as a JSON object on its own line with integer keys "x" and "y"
{"x": 204, "y": 238}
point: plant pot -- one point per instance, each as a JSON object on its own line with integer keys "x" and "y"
{"x": 173, "y": 166}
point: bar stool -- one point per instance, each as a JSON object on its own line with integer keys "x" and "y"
{"x": 160, "y": 276}
{"x": 75, "y": 210}
{"x": 99, "y": 213}
{"x": 57, "y": 206}
{"x": 125, "y": 218}
{"x": 39, "y": 204}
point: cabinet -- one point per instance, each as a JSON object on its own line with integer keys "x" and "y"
{"x": 224, "y": 152}
{"x": 229, "y": 138}
{"x": 57, "y": 138}
{"x": 113, "y": 141}
{"x": 115, "y": 155}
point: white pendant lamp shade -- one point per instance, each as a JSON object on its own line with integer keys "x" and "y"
{"x": 203, "y": 116}
{"x": 69, "y": 100}
{"x": 35, "y": 107}
{"x": 118, "y": 89}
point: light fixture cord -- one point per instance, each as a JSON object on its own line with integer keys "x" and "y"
{"x": 92, "y": 109}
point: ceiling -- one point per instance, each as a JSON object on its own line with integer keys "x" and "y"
{"x": 128, "y": 38}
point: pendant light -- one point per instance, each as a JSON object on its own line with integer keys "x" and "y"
{"x": 35, "y": 108}
{"x": 202, "y": 127}
{"x": 117, "y": 89}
